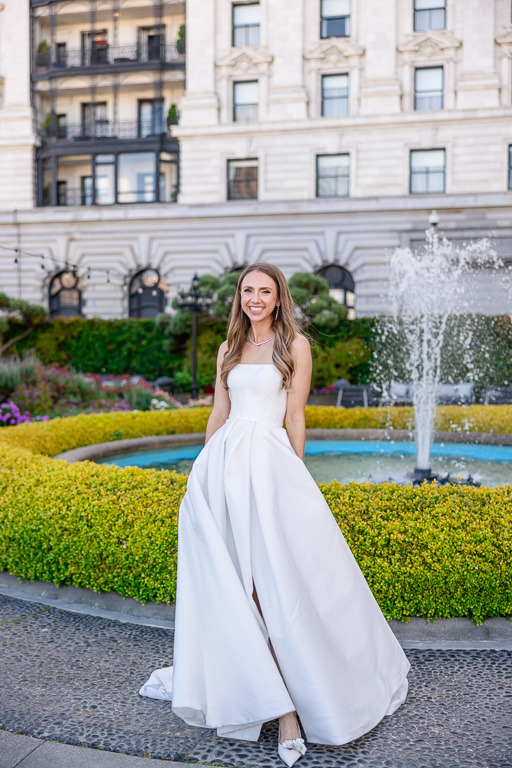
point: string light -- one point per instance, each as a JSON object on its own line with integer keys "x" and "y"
{"x": 66, "y": 267}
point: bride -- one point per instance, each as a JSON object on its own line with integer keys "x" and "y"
{"x": 274, "y": 617}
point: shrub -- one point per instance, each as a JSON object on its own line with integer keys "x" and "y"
{"x": 59, "y": 435}
{"x": 432, "y": 552}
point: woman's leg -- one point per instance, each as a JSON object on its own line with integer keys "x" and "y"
{"x": 288, "y": 723}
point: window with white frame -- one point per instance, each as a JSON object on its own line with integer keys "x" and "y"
{"x": 334, "y": 95}
{"x": 332, "y": 175}
{"x": 246, "y": 24}
{"x": 243, "y": 179}
{"x": 245, "y": 101}
{"x": 428, "y": 88}
{"x": 427, "y": 171}
{"x": 429, "y": 14}
{"x": 335, "y": 20}
{"x": 510, "y": 166}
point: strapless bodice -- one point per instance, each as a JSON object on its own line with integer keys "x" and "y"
{"x": 256, "y": 393}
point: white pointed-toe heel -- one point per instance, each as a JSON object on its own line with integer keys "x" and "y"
{"x": 291, "y": 749}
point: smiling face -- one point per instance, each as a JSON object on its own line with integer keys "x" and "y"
{"x": 258, "y": 296}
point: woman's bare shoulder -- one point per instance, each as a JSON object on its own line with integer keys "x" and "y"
{"x": 301, "y": 345}
{"x": 222, "y": 351}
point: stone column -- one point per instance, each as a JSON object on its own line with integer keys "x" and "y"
{"x": 478, "y": 82}
{"x": 380, "y": 87}
{"x": 17, "y": 139}
{"x": 287, "y": 99}
{"x": 200, "y": 104}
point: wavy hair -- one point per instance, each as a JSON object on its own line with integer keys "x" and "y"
{"x": 285, "y": 328}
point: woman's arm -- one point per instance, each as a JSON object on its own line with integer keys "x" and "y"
{"x": 221, "y": 401}
{"x": 295, "y": 419}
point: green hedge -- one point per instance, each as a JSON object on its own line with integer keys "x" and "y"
{"x": 104, "y": 346}
{"x": 364, "y": 350}
{"x": 431, "y": 552}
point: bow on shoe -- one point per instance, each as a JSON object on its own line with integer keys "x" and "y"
{"x": 296, "y": 744}
{"x": 291, "y": 750}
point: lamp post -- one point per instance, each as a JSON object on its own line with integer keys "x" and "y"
{"x": 194, "y": 302}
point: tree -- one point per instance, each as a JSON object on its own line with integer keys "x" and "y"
{"x": 18, "y": 315}
{"x": 316, "y": 308}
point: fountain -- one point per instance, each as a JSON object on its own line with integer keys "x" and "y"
{"x": 432, "y": 334}
{"x": 429, "y": 286}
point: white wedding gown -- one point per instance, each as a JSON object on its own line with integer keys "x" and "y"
{"x": 253, "y": 516}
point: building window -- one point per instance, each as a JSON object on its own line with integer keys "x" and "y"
{"x": 428, "y": 88}
{"x": 168, "y": 178}
{"x": 429, "y": 14}
{"x": 242, "y": 179}
{"x": 510, "y": 166}
{"x": 65, "y": 295}
{"x": 341, "y": 286}
{"x": 427, "y": 171}
{"x": 151, "y": 120}
{"x": 245, "y": 101}
{"x": 104, "y": 166}
{"x": 136, "y": 177}
{"x": 86, "y": 194}
{"x": 151, "y": 43}
{"x": 94, "y": 119}
{"x": 61, "y": 55}
{"x": 335, "y": 18}
{"x": 334, "y": 95}
{"x": 332, "y": 175}
{"x": 147, "y": 294}
{"x": 94, "y": 47}
{"x": 246, "y": 24}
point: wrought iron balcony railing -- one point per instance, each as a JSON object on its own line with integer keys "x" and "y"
{"x": 103, "y": 129}
{"x": 108, "y": 55}
{"x": 80, "y": 197}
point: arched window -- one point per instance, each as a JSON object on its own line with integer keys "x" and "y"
{"x": 341, "y": 286}
{"x": 65, "y": 294}
{"x": 147, "y": 294}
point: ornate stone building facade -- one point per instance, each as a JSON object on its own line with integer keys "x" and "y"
{"x": 316, "y": 135}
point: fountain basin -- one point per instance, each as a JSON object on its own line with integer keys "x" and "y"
{"x": 347, "y": 455}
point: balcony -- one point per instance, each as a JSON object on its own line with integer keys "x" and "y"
{"x": 74, "y": 197}
{"x": 102, "y": 129}
{"x": 106, "y": 58}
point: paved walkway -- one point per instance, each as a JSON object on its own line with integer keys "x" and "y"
{"x": 70, "y": 680}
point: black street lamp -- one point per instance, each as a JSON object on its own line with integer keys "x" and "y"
{"x": 194, "y": 302}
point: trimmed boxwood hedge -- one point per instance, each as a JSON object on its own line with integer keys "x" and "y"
{"x": 431, "y": 552}
{"x": 59, "y": 435}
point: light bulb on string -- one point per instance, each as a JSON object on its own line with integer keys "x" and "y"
{"x": 108, "y": 276}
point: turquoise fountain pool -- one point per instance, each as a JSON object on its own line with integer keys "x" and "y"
{"x": 357, "y": 460}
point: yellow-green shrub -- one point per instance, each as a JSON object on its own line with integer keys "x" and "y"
{"x": 433, "y": 552}
{"x": 59, "y": 435}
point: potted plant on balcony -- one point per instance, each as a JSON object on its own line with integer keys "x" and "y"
{"x": 51, "y": 123}
{"x": 180, "y": 41}
{"x": 43, "y": 54}
{"x": 173, "y": 116}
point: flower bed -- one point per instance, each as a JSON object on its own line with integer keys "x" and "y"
{"x": 432, "y": 551}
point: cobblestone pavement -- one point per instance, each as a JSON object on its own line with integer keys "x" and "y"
{"x": 75, "y": 678}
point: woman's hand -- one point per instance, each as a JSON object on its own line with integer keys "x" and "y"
{"x": 221, "y": 401}
{"x": 295, "y": 419}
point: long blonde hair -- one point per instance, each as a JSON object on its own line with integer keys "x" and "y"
{"x": 285, "y": 328}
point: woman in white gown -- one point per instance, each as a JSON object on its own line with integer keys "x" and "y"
{"x": 273, "y": 615}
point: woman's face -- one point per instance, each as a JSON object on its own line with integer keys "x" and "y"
{"x": 258, "y": 296}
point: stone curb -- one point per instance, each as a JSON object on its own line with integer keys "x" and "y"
{"x": 19, "y": 751}
{"x": 101, "y": 450}
{"x": 456, "y": 633}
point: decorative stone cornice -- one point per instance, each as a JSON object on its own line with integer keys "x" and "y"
{"x": 244, "y": 60}
{"x": 429, "y": 45}
{"x": 335, "y": 52}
